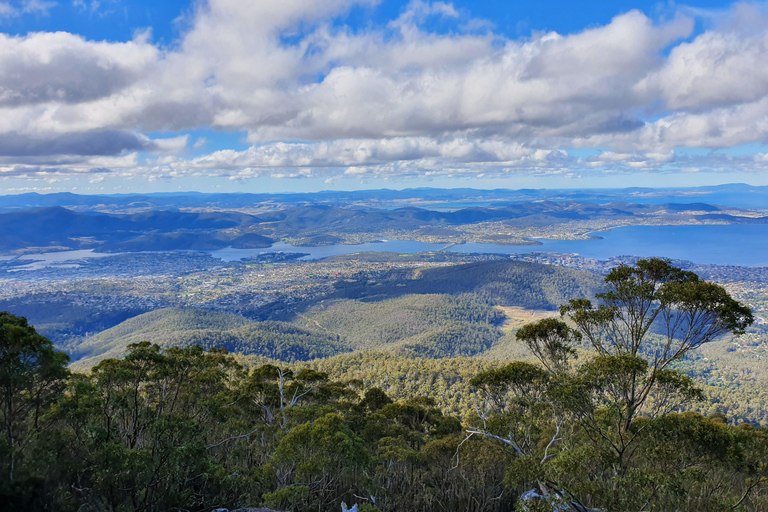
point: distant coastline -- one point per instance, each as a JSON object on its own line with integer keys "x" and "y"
{"x": 697, "y": 243}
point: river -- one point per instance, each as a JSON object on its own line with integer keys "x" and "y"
{"x": 743, "y": 245}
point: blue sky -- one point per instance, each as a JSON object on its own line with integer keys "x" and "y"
{"x": 301, "y": 95}
{"x": 118, "y": 20}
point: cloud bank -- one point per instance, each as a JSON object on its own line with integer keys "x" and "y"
{"x": 316, "y": 97}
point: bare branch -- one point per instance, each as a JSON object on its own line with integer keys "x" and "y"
{"x": 233, "y": 438}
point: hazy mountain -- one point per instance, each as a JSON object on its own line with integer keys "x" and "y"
{"x": 734, "y": 194}
{"x": 58, "y": 227}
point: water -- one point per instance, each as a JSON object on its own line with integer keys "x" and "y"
{"x": 740, "y": 244}
{"x": 47, "y": 259}
{"x": 314, "y": 253}
{"x": 744, "y": 245}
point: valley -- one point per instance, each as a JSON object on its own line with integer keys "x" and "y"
{"x": 226, "y": 307}
{"x": 433, "y": 309}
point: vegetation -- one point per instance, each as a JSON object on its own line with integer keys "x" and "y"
{"x": 507, "y": 283}
{"x": 424, "y": 325}
{"x": 436, "y": 313}
{"x": 182, "y": 428}
{"x": 60, "y": 317}
{"x": 186, "y": 327}
{"x": 616, "y": 409}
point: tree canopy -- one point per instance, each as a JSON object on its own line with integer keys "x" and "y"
{"x": 598, "y": 421}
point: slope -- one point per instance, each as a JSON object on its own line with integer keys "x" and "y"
{"x": 427, "y": 325}
{"x": 506, "y": 283}
{"x": 185, "y": 327}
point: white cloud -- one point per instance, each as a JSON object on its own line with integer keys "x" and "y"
{"x": 718, "y": 68}
{"x": 7, "y": 10}
{"x": 389, "y": 100}
{"x": 40, "y": 7}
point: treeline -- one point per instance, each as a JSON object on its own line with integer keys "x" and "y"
{"x": 186, "y": 429}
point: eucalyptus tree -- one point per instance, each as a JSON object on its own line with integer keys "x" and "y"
{"x": 649, "y": 316}
{"x": 32, "y": 375}
{"x": 566, "y": 418}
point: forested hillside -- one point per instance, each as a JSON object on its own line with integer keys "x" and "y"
{"x": 429, "y": 324}
{"x": 439, "y": 312}
{"x": 184, "y": 328}
{"x": 614, "y": 427}
{"x": 509, "y": 283}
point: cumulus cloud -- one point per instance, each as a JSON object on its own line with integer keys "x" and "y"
{"x": 718, "y": 68}
{"x": 396, "y": 99}
{"x": 62, "y": 68}
{"x": 101, "y": 142}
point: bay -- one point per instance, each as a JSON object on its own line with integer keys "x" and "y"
{"x": 736, "y": 244}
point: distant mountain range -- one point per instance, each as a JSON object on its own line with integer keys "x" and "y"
{"x": 58, "y": 228}
{"x": 734, "y": 195}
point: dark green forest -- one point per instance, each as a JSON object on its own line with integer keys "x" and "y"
{"x": 598, "y": 417}
{"x": 529, "y": 285}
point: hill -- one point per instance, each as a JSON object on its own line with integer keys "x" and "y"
{"x": 733, "y": 194}
{"x": 58, "y": 227}
{"x": 427, "y": 325}
{"x": 438, "y": 312}
{"x": 186, "y": 327}
{"x": 506, "y": 283}
{"x": 319, "y": 224}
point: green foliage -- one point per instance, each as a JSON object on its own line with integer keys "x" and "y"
{"x": 604, "y": 434}
{"x": 424, "y": 325}
{"x": 292, "y": 497}
{"x": 508, "y": 283}
{"x": 551, "y": 341}
{"x": 184, "y": 428}
{"x": 189, "y": 327}
{"x": 31, "y": 376}
{"x": 325, "y": 456}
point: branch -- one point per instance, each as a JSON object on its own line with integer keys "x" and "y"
{"x": 502, "y": 439}
{"x": 457, "y": 451}
{"x": 299, "y": 397}
{"x": 554, "y": 437}
{"x": 233, "y": 438}
{"x": 749, "y": 489}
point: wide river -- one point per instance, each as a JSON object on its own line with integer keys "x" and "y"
{"x": 744, "y": 245}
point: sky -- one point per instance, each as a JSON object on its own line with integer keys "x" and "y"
{"x": 116, "y": 96}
